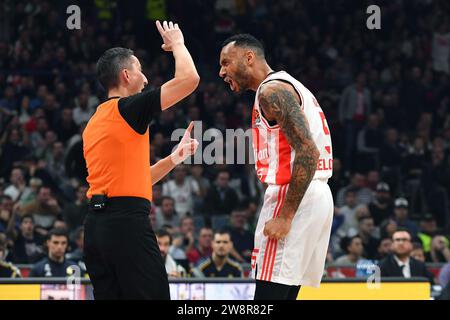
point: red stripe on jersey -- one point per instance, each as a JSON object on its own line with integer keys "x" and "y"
{"x": 283, "y": 174}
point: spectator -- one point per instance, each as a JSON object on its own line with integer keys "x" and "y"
{"x": 400, "y": 263}
{"x": 167, "y": 215}
{"x": 357, "y": 184}
{"x": 381, "y": 207}
{"x": 7, "y": 269}
{"x": 44, "y": 209}
{"x": 401, "y": 216}
{"x": 77, "y": 254}
{"x": 204, "y": 247}
{"x": 182, "y": 190}
{"x": 219, "y": 264}
{"x": 441, "y": 49}
{"x": 353, "y": 248}
{"x": 243, "y": 240}
{"x": 66, "y": 127}
{"x": 354, "y": 107}
{"x": 28, "y": 244}
{"x": 444, "y": 275}
{"x": 18, "y": 189}
{"x": 83, "y": 111}
{"x": 55, "y": 264}
{"x": 417, "y": 252}
{"x": 183, "y": 241}
{"x": 366, "y": 228}
{"x": 75, "y": 212}
{"x": 368, "y": 144}
{"x": 440, "y": 252}
{"x": 384, "y": 248}
{"x": 221, "y": 199}
{"x": 348, "y": 211}
{"x": 173, "y": 269}
{"x": 6, "y": 211}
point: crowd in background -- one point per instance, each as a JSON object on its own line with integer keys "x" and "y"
{"x": 385, "y": 93}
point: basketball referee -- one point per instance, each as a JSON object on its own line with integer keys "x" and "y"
{"x": 121, "y": 253}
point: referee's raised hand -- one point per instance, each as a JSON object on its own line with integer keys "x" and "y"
{"x": 171, "y": 34}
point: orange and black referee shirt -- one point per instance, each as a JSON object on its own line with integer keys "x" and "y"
{"x": 116, "y": 146}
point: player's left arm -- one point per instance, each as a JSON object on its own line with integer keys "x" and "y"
{"x": 280, "y": 102}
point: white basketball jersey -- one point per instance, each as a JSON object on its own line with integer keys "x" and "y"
{"x": 274, "y": 157}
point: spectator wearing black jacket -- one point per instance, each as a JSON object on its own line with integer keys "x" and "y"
{"x": 55, "y": 264}
{"x": 400, "y": 263}
{"x": 221, "y": 199}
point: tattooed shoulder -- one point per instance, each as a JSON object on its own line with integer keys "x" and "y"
{"x": 279, "y": 102}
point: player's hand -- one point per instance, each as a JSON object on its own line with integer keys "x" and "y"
{"x": 277, "y": 228}
{"x": 171, "y": 35}
{"x": 186, "y": 148}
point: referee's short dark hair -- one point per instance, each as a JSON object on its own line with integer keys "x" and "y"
{"x": 110, "y": 64}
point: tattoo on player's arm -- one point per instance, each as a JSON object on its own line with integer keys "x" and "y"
{"x": 279, "y": 103}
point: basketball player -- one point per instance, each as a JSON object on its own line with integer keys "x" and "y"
{"x": 293, "y": 155}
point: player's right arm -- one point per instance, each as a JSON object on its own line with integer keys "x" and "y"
{"x": 186, "y": 78}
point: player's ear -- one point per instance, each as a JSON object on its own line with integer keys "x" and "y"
{"x": 250, "y": 57}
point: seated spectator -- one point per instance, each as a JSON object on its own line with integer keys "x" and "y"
{"x": 7, "y": 269}
{"x": 401, "y": 216}
{"x": 167, "y": 215}
{"x": 440, "y": 252}
{"x": 353, "y": 248}
{"x": 173, "y": 269}
{"x": 428, "y": 229}
{"x": 6, "y": 207}
{"x": 44, "y": 209}
{"x": 183, "y": 241}
{"x": 384, "y": 248}
{"x": 182, "y": 190}
{"x": 400, "y": 263}
{"x": 55, "y": 264}
{"x": 387, "y": 228}
{"x": 219, "y": 265}
{"x": 348, "y": 211}
{"x": 74, "y": 213}
{"x": 444, "y": 275}
{"x": 18, "y": 189}
{"x": 358, "y": 184}
{"x": 221, "y": 198}
{"x": 28, "y": 244}
{"x": 242, "y": 239}
{"x": 77, "y": 254}
{"x": 365, "y": 232}
{"x": 381, "y": 207}
{"x": 417, "y": 252}
{"x": 204, "y": 247}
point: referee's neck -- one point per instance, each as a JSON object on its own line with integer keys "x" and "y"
{"x": 118, "y": 92}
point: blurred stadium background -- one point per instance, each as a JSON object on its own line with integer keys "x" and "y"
{"x": 391, "y": 168}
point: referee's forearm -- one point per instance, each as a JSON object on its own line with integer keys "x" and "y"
{"x": 160, "y": 169}
{"x": 184, "y": 65}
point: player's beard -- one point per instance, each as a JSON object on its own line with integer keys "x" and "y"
{"x": 242, "y": 78}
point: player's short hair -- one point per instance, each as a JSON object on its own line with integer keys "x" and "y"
{"x": 110, "y": 64}
{"x": 245, "y": 40}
